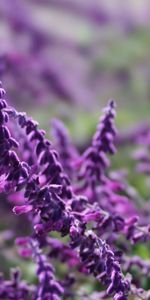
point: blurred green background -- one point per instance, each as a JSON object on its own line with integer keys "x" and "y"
{"x": 118, "y": 64}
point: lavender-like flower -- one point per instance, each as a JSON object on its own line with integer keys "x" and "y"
{"x": 15, "y": 289}
{"x": 52, "y": 206}
{"x": 48, "y": 287}
{"x": 101, "y": 261}
{"x": 68, "y": 153}
{"x": 50, "y": 166}
{"x": 95, "y": 160}
{"x": 16, "y": 173}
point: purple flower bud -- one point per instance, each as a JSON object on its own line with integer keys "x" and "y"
{"x": 23, "y": 209}
{"x": 22, "y": 241}
{"x": 120, "y": 296}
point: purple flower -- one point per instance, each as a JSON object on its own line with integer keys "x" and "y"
{"x": 68, "y": 153}
{"x": 95, "y": 160}
{"x": 16, "y": 173}
{"x": 15, "y": 289}
{"x": 99, "y": 260}
{"x": 23, "y": 209}
{"x": 97, "y": 224}
{"x": 47, "y": 157}
{"x": 48, "y": 287}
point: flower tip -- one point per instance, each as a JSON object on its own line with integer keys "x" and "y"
{"x": 112, "y": 103}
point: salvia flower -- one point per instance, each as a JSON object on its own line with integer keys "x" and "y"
{"x": 100, "y": 260}
{"x": 68, "y": 153}
{"x": 48, "y": 287}
{"x": 15, "y": 288}
{"x": 96, "y": 225}
{"x": 95, "y": 160}
{"x": 16, "y": 172}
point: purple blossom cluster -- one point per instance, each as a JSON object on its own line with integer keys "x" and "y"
{"x": 80, "y": 216}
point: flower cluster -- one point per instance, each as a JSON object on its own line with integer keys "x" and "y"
{"x": 14, "y": 288}
{"x": 98, "y": 226}
{"x": 94, "y": 159}
{"x": 68, "y": 153}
